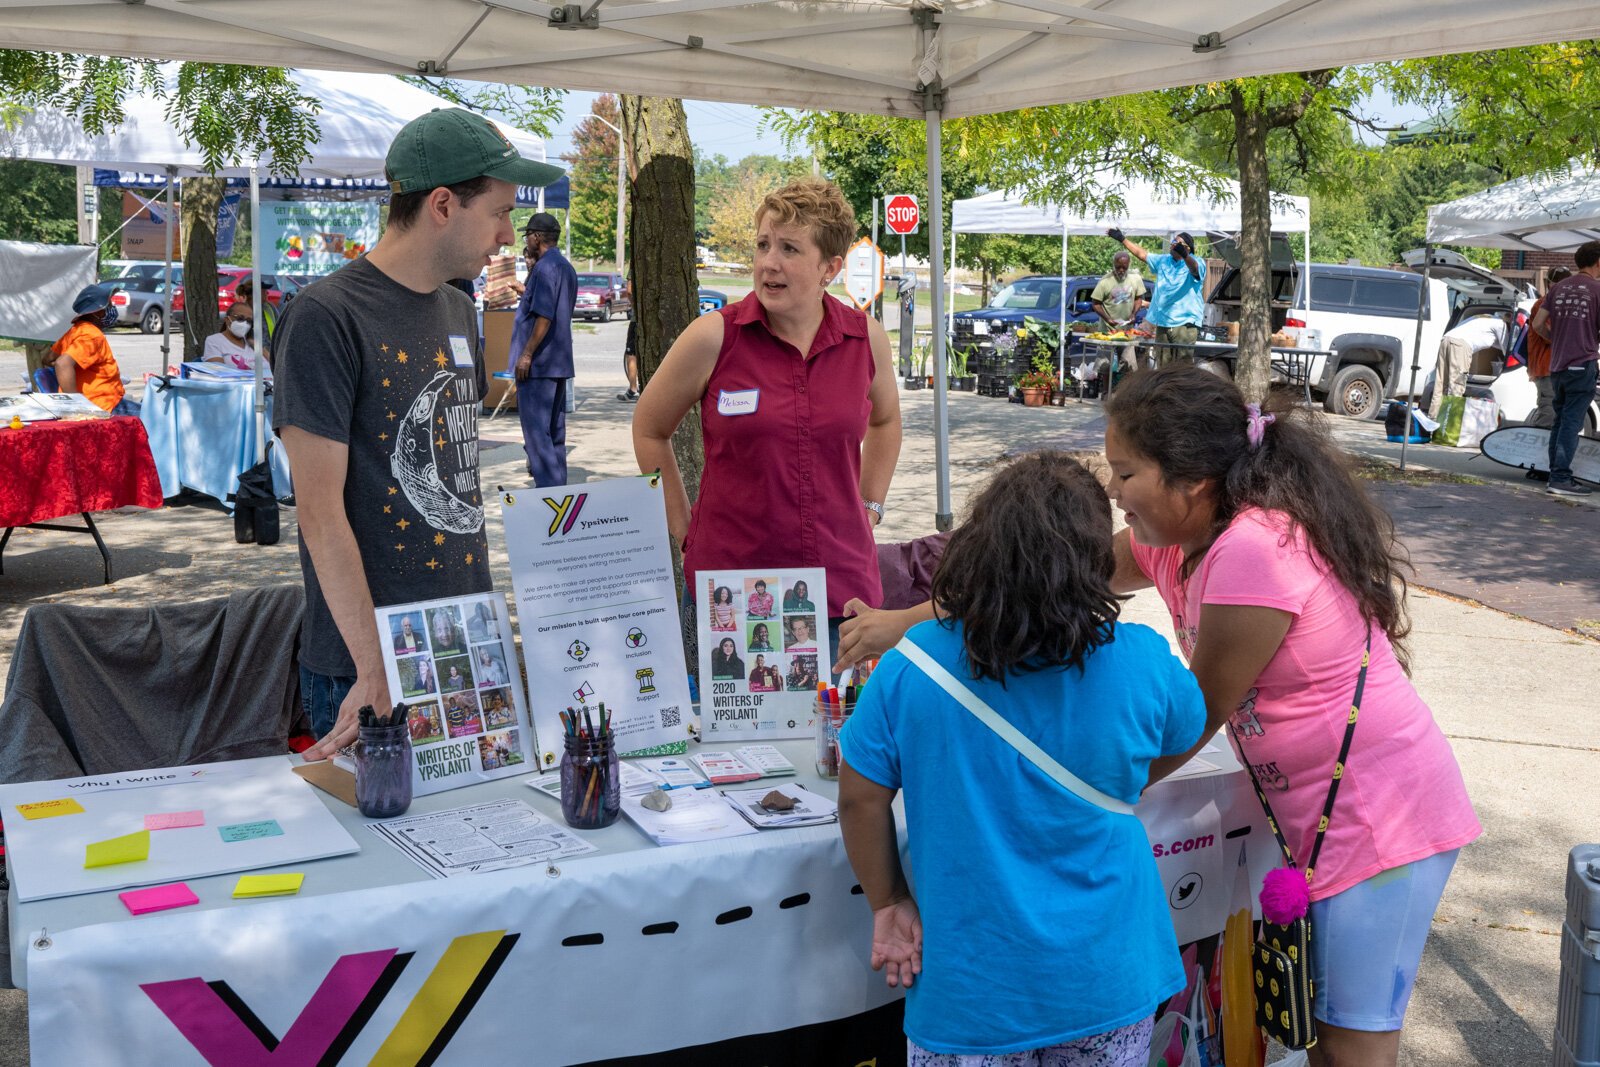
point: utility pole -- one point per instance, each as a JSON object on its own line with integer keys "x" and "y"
{"x": 622, "y": 163}
{"x": 88, "y": 207}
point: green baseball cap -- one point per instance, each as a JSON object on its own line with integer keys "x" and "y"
{"x": 450, "y": 145}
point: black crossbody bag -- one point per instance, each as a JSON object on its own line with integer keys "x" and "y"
{"x": 1282, "y": 958}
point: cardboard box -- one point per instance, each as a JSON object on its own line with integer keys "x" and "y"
{"x": 497, "y": 357}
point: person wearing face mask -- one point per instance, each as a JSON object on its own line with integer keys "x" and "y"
{"x": 1177, "y": 305}
{"x": 234, "y": 345}
{"x": 82, "y": 357}
{"x": 541, "y": 350}
{"x": 798, "y": 410}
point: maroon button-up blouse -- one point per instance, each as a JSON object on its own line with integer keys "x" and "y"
{"x": 782, "y": 482}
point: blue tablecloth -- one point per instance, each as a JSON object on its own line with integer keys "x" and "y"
{"x": 203, "y": 436}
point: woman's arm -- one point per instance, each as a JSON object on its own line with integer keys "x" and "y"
{"x": 873, "y": 631}
{"x": 1127, "y": 578}
{"x": 1235, "y": 645}
{"x": 880, "y": 448}
{"x": 674, "y": 388}
{"x": 867, "y": 822}
{"x": 66, "y": 374}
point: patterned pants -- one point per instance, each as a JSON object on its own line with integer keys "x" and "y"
{"x": 1128, "y": 1046}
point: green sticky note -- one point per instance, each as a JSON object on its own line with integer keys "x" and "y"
{"x": 268, "y": 885}
{"x": 129, "y": 848}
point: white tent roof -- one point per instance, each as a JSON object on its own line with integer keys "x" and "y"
{"x": 361, "y": 113}
{"x": 1545, "y": 212}
{"x": 846, "y": 55}
{"x": 1148, "y": 211}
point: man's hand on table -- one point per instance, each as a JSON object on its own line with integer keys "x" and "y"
{"x": 373, "y": 689}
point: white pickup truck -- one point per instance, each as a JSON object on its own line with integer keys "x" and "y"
{"x": 1367, "y": 318}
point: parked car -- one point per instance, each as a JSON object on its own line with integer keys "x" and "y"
{"x": 1367, "y": 318}
{"x": 228, "y": 279}
{"x": 141, "y": 300}
{"x": 712, "y": 300}
{"x": 601, "y": 295}
{"x": 1516, "y": 397}
{"x": 1037, "y": 296}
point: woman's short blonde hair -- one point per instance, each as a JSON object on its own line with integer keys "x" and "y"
{"x": 819, "y": 206}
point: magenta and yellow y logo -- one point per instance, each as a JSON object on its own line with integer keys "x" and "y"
{"x": 224, "y": 1030}
{"x": 566, "y": 510}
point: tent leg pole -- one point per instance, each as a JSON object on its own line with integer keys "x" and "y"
{"x": 256, "y": 310}
{"x": 943, "y": 516}
{"x": 1416, "y": 352}
{"x": 1061, "y": 324}
{"x": 166, "y": 318}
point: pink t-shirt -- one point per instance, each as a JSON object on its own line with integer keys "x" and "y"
{"x": 1402, "y": 798}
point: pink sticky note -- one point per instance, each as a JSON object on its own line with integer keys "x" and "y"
{"x": 158, "y": 898}
{"x": 174, "y": 820}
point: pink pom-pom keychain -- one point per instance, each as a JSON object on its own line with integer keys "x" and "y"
{"x": 1285, "y": 896}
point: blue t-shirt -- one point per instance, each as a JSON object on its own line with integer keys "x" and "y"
{"x": 1176, "y": 300}
{"x": 1043, "y": 916}
{"x": 552, "y": 289}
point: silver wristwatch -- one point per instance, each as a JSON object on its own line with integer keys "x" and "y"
{"x": 874, "y": 507}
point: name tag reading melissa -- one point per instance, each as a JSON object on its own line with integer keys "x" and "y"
{"x": 741, "y": 402}
{"x": 460, "y": 351}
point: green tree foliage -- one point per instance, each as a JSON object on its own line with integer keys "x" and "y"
{"x": 593, "y": 181}
{"x": 532, "y": 108}
{"x": 37, "y": 202}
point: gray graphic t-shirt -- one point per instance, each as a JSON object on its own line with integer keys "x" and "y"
{"x": 362, "y": 360}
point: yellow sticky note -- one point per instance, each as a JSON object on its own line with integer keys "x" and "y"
{"x": 128, "y": 848}
{"x": 268, "y": 885}
{"x": 46, "y": 809}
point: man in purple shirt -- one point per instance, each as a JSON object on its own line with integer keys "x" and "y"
{"x": 541, "y": 351}
{"x": 1570, "y": 319}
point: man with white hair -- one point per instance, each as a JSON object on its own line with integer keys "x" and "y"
{"x": 1119, "y": 295}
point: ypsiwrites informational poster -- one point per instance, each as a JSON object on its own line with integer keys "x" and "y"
{"x": 591, "y": 570}
{"x": 763, "y": 648}
{"x": 453, "y": 664}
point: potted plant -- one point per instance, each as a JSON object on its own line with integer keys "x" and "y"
{"x": 1035, "y": 388}
{"x": 959, "y": 378}
{"x": 919, "y": 367}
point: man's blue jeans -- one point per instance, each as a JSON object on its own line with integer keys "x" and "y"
{"x": 1573, "y": 390}
{"x": 320, "y": 697}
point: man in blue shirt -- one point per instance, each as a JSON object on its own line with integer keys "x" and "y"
{"x": 1176, "y": 305}
{"x": 541, "y": 351}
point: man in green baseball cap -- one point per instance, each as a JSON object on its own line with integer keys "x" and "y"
{"x": 376, "y": 402}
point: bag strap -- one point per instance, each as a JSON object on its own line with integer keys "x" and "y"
{"x": 1008, "y": 733}
{"x": 1338, "y": 775}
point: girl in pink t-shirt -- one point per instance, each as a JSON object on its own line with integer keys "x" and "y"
{"x": 1276, "y": 569}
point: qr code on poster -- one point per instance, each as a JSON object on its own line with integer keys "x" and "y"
{"x": 670, "y": 716}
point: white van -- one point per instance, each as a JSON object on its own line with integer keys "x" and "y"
{"x": 1367, "y": 318}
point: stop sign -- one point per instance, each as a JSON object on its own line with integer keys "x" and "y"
{"x": 901, "y": 214}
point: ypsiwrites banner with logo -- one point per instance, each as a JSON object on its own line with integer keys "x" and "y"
{"x": 591, "y": 570}
{"x": 453, "y": 664}
{"x": 313, "y": 237}
{"x": 763, "y": 649}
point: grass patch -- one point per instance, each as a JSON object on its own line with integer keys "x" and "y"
{"x": 585, "y": 327}
{"x": 1373, "y": 469}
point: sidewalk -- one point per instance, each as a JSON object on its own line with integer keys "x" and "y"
{"x": 1515, "y": 697}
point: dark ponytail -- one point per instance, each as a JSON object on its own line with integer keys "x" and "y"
{"x": 1194, "y": 426}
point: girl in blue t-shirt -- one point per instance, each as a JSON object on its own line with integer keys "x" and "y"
{"x": 1038, "y": 932}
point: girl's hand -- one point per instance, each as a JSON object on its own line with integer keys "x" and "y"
{"x": 897, "y": 942}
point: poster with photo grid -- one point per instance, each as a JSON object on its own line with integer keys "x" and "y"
{"x": 453, "y": 664}
{"x": 763, "y": 649}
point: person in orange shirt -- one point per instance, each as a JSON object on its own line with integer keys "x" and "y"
{"x": 84, "y": 363}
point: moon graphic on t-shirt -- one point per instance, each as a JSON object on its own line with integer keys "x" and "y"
{"x": 417, "y": 469}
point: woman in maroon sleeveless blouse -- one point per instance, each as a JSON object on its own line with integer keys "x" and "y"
{"x": 798, "y": 411}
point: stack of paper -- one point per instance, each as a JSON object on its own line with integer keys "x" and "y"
{"x": 674, "y": 773}
{"x": 693, "y": 816}
{"x": 69, "y": 405}
{"x": 809, "y": 809}
{"x": 219, "y": 371}
{"x": 23, "y": 407}
{"x": 766, "y": 760}
{"x": 743, "y": 765}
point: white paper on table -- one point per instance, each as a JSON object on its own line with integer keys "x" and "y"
{"x": 695, "y": 815}
{"x": 766, "y": 759}
{"x": 633, "y": 781}
{"x": 481, "y": 837}
{"x": 810, "y": 809}
{"x": 46, "y": 855}
{"x": 674, "y": 772}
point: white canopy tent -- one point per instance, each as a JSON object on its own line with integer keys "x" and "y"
{"x": 1551, "y": 212}
{"x": 360, "y": 116}
{"x": 1147, "y": 210}
{"x": 914, "y": 58}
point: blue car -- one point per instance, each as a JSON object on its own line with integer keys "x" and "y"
{"x": 1037, "y": 296}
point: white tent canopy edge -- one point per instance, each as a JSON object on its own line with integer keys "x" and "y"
{"x": 893, "y": 57}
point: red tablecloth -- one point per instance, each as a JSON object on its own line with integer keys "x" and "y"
{"x": 52, "y": 469}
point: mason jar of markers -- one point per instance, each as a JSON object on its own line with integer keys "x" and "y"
{"x": 832, "y": 708}
{"x": 591, "y": 787}
{"x": 383, "y": 763}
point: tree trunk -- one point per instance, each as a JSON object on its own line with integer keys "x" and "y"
{"x": 201, "y": 199}
{"x": 1253, "y": 368}
{"x": 661, "y": 238}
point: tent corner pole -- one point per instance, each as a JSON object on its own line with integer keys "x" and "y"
{"x": 256, "y": 311}
{"x": 166, "y": 319}
{"x": 1416, "y": 351}
{"x": 943, "y": 517}
{"x": 1061, "y": 322}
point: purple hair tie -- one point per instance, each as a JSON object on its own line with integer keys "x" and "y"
{"x": 1255, "y": 424}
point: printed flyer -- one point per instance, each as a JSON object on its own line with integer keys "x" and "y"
{"x": 453, "y": 664}
{"x": 591, "y": 570}
{"x": 763, "y": 649}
